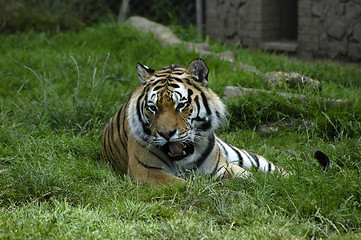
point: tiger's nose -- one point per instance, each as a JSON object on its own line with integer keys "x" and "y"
{"x": 167, "y": 134}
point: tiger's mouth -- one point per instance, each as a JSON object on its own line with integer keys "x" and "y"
{"x": 177, "y": 150}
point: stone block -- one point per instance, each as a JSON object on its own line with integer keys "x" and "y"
{"x": 211, "y": 12}
{"x": 308, "y": 45}
{"x": 304, "y": 7}
{"x": 253, "y": 27}
{"x": 304, "y": 21}
{"x": 337, "y": 48}
{"x": 227, "y": 56}
{"x": 337, "y": 28}
{"x": 251, "y": 42}
{"x": 305, "y": 54}
{"x": 254, "y": 8}
{"x": 238, "y": 3}
{"x": 307, "y": 36}
{"x": 231, "y": 27}
{"x": 255, "y": 34}
{"x": 353, "y": 11}
{"x": 318, "y": 8}
{"x": 354, "y": 51}
{"x": 323, "y": 39}
{"x": 210, "y": 4}
{"x": 357, "y": 32}
{"x": 268, "y": 3}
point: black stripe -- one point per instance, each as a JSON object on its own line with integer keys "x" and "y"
{"x": 158, "y": 87}
{"x": 177, "y": 79}
{"x": 173, "y": 85}
{"x": 146, "y": 130}
{"x": 206, "y": 125}
{"x": 205, "y": 103}
{"x": 194, "y": 86}
{"x": 108, "y": 138}
{"x": 206, "y": 152}
{"x": 159, "y": 81}
{"x": 269, "y": 167}
{"x": 214, "y": 171}
{"x": 194, "y": 78}
{"x": 240, "y": 159}
{"x": 190, "y": 92}
{"x": 124, "y": 119}
{"x": 255, "y": 157}
{"x": 196, "y": 100}
{"x": 224, "y": 149}
{"x": 180, "y": 95}
{"x": 146, "y": 166}
{"x": 218, "y": 115}
{"x": 119, "y": 133}
{"x": 138, "y": 108}
{"x": 154, "y": 154}
{"x": 164, "y": 161}
{"x": 112, "y": 138}
{"x": 198, "y": 119}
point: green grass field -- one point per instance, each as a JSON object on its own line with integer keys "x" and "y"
{"x": 58, "y": 90}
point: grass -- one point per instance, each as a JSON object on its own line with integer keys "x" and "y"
{"x": 58, "y": 90}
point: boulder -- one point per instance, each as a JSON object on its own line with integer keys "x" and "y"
{"x": 292, "y": 80}
{"x": 165, "y": 35}
{"x": 232, "y": 91}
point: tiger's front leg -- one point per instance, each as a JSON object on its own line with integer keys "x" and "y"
{"x": 235, "y": 171}
{"x": 227, "y": 169}
{"x": 144, "y": 167}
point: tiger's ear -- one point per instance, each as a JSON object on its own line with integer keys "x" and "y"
{"x": 199, "y": 71}
{"x": 144, "y": 72}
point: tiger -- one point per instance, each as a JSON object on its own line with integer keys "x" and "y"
{"x": 166, "y": 130}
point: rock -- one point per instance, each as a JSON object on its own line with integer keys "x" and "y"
{"x": 317, "y": 9}
{"x": 165, "y": 35}
{"x": 353, "y": 10}
{"x": 337, "y": 28}
{"x": 354, "y": 51}
{"x": 292, "y": 80}
{"x": 160, "y": 32}
{"x": 271, "y": 128}
{"x": 227, "y": 56}
{"x": 201, "y": 48}
{"x": 357, "y": 32}
{"x": 232, "y": 91}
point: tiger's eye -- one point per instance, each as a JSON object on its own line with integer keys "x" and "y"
{"x": 152, "y": 109}
{"x": 181, "y": 106}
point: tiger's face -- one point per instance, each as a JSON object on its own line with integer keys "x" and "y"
{"x": 169, "y": 113}
{"x": 174, "y": 108}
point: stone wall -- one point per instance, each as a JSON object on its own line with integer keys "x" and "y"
{"x": 330, "y": 29}
{"x": 321, "y": 28}
{"x": 234, "y": 21}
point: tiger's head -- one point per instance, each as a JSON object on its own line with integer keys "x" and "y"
{"x": 173, "y": 108}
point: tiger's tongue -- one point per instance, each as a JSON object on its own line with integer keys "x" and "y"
{"x": 176, "y": 148}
